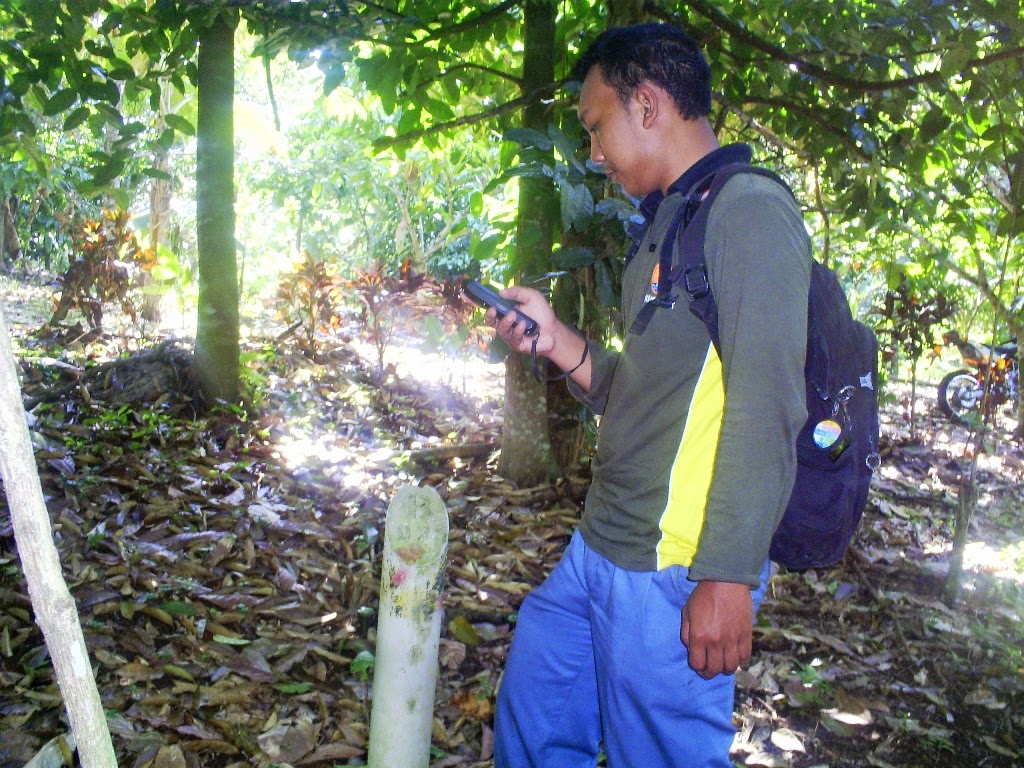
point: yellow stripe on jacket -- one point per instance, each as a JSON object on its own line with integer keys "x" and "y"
{"x": 693, "y": 468}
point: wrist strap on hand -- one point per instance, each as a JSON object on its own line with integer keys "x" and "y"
{"x": 564, "y": 374}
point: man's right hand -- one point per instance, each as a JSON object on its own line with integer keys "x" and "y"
{"x": 554, "y": 340}
{"x": 532, "y": 303}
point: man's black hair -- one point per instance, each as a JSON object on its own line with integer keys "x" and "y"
{"x": 657, "y": 53}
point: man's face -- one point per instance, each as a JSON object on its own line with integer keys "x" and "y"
{"x": 617, "y": 136}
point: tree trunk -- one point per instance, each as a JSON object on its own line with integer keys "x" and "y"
{"x": 160, "y": 191}
{"x": 913, "y": 399}
{"x": 967, "y": 502}
{"x": 527, "y": 457}
{"x": 526, "y": 454}
{"x": 568, "y": 437}
{"x": 55, "y": 610}
{"x": 622, "y": 13}
{"x": 217, "y": 352}
{"x": 1018, "y": 407}
{"x": 10, "y": 246}
{"x": 3, "y": 235}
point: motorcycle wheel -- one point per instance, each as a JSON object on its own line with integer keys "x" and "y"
{"x": 960, "y": 394}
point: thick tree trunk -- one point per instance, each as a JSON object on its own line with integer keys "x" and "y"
{"x": 567, "y": 429}
{"x": 526, "y": 454}
{"x": 55, "y": 610}
{"x": 217, "y": 353}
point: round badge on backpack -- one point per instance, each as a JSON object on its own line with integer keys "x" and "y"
{"x": 826, "y": 433}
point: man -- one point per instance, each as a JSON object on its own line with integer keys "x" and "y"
{"x": 631, "y": 644}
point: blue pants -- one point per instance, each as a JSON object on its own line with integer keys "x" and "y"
{"x": 597, "y": 656}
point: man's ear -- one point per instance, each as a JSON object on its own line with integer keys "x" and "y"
{"x": 649, "y": 99}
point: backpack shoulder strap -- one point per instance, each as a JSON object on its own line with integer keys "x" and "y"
{"x": 686, "y": 234}
{"x": 691, "y": 273}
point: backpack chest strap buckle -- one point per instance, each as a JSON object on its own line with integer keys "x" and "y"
{"x": 695, "y": 282}
{"x": 665, "y": 301}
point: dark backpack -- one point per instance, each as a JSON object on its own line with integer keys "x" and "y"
{"x": 837, "y": 446}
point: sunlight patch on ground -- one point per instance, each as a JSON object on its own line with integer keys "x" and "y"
{"x": 298, "y": 448}
{"x": 466, "y": 373}
{"x": 1005, "y": 562}
{"x": 24, "y": 304}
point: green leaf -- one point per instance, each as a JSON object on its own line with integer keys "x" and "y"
{"x": 530, "y": 171}
{"x": 528, "y": 137}
{"x": 104, "y": 174}
{"x": 226, "y": 640}
{"x": 994, "y": 132}
{"x": 132, "y": 129}
{"x": 615, "y": 208}
{"x": 157, "y": 173}
{"x": 463, "y": 631}
{"x": 178, "y": 608}
{"x": 577, "y": 204}
{"x": 485, "y": 247}
{"x": 295, "y": 688}
{"x": 166, "y": 139}
{"x": 934, "y": 123}
{"x": 955, "y": 60}
{"x": 605, "y": 285}
{"x": 363, "y": 664}
{"x": 410, "y": 120}
{"x": 122, "y": 71}
{"x": 497, "y": 351}
{"x": 438, "y": 109}
{"x": 180, "y": 124}
{"x": 566, "y": 148}
{"x": 59, "y": 102}
{"x": 573, "y": 258}
{"x": 76, "y": 118}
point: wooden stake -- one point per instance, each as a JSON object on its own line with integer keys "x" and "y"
{"x": 56, "y": 613}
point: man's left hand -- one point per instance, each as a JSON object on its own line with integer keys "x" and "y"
{"x": 717, "y": 627}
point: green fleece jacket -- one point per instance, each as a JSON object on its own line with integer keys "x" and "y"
{"x": 696, "y": 453}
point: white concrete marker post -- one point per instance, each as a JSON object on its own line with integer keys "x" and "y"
{"x": 408, "y": 629}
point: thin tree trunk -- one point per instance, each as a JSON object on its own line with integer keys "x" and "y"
{"x": 217, "y": 335}
{"x": 3, "y": 234}
{"x": 913, "y": 399}
{"x": 568, "y": 436}
{"x": 1018, "y": 407}
{"x": 10, "y": 247}
{"x": 967, "y": 502}
{"x": 160, "y": 192}
{"x": 55, "y": 610}
{"x": 622, "y": 13}
{"x": 526, "y": 454}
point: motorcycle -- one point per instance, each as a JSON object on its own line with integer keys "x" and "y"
{"x": 962, "y": 392}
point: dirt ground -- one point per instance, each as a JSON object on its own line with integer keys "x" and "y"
{"x": 226, "y": 569}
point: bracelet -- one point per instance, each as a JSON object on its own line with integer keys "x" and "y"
{"x": 564, "y": 374}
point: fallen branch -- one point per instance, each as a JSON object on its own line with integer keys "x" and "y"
{"x": 55, "y": 611}
{"x": 449, "y": 452}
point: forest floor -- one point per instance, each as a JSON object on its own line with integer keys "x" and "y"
{"x": 226, "y": 568}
